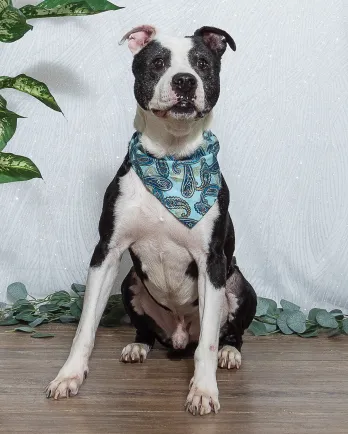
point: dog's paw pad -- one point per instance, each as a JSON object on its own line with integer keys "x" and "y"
{"x": 229, "y": 357}
{"x": 134, "y": 353}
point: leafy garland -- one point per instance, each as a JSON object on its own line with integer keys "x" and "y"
{"x": 289, "y": 319}
{"x": 57, "y": 307}
{"x": 65, "y": 308}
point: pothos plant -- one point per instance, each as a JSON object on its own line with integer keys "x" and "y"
{"x": 13, "y": 26}
{"x": 27, "y": 313}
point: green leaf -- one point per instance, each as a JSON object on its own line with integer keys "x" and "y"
{"x": 78, "y": 288}
{"x": 13, "y": 24}
{"x": 289, "y": 306}
{"x": 23, "y": 305}
{"x": 25, "y": 316}
{"x": 312, "y": 316}
{"x": 4, "y": 4}
{"x": 282, "y": 324}
{"x": 42, "y": 335}
{"x": 65, "y": 304}
{"x": 337, "y": 313}
{"x": 67, "y": 318}
{"x": 345, "y": 326}
{"x": 60, "y": 296}
{"x": 75, "y": 310}
{"x": 37, "y": 322}
{"x": 17, "y": 168}
{"x": 3, "y": 102}
{"x": 267, "y": 319}
{"x": 113, "y": 317}
{"x": 309, "y": 334}
{"x": 24, "y": 329}
{"x": 33, "y": 87}
{"x": 79, "y": 303}
{"x": 297, "y": 322}
{"x": 258, "y": 329}
{"x": 16, "y": 291}
{"x": 8, "y": 321}
{"x": 115, "y": 299}
{"x": 8, "y": 123}
{"x": 270, "y": 327}
{"x": 265, "y": 305}
{"x": 326, "y": 319}
{"x": 48, "y": 307}
{"x": 95, "y": 5}
{"x": 65, "y": 9}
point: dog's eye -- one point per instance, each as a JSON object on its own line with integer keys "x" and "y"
{"x": 202, "y": 63}
{"x": 158, "y": 63}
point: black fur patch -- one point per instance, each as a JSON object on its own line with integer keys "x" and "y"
{"x": 146, "y": 74}
{"x": 106, "y": 222}
{"x": 192, "y": 270}
{"x": 147, "y": 329}
{"x": 232, "y": 331}
{"x": 221, "y": 248}
{"x": 137, "y": 265}
{"x": 210, "y": 74}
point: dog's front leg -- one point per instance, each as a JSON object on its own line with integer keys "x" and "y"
{"x": 99, "y": 284}
{"x": 204, "y": 396}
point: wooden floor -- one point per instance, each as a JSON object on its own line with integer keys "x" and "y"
{"x": 286, "y": 385}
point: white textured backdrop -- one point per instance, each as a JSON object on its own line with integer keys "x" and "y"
{"x": 282, "y": 121}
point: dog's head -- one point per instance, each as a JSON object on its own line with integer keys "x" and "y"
{"x": 177, "y": 78}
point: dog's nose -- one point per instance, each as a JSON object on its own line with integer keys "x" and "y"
{"x": 184, "y": 82}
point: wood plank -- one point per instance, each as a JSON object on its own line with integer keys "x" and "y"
{"x": 286, "y": 385}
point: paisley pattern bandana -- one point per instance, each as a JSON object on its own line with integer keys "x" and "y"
{"x": 188, "y": 188}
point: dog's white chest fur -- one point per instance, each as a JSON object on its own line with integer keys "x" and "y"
{"x": 165, "y": 246}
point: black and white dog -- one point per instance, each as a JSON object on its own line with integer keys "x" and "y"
{"x": 185, "y": 286}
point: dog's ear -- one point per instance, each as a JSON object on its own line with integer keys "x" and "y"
{"x": 139, "y": 37}
{"x": 216, "y": 39}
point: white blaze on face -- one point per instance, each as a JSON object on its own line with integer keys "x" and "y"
{"x": 164, "y": 97}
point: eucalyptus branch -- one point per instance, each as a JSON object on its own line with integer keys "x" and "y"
{"x": 65, "y": 307}
{"x": 61, "y": 306}
{"x": 288, "y": 319}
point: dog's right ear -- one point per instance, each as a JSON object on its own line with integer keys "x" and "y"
{"x": 139, "y": 37}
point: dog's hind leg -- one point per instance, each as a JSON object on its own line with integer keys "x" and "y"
{"x": 145, "y": 337}
{"x": 241, "y": 301}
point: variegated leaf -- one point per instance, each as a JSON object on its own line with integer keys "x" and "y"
{"x": 16, "y": 168}
{"x": 66, "y": 9}
{"x": 33, "y": 87}
{"x": 13, "y": 23}
{"x": 96, "y": 5}
{"x": 3, "y": 101}
{"x": 8, "y": 123}
{"x": 71, "y": 9}
{"x": 3, "y": 5}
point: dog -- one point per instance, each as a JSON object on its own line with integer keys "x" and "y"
{"x": 185, "y": 286}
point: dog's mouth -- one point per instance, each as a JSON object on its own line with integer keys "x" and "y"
{"x": 183, "y": 108}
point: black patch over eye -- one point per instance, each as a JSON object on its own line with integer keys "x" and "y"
{"x": 202, "y": 63}
{"x": 158, "y": 63}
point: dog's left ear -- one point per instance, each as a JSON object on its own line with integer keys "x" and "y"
{"x": 216, "y": 39}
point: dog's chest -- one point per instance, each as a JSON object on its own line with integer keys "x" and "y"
{"x": 164, "y": 246}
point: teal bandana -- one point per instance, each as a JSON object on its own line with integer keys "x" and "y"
{"x": 187, "y": 188}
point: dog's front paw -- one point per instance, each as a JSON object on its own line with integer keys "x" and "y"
{"x": 134, "y": 353}
{"x": 66, "y": 383}
{"x": 229, "y": 357}
{"x": 202, "y": 398}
